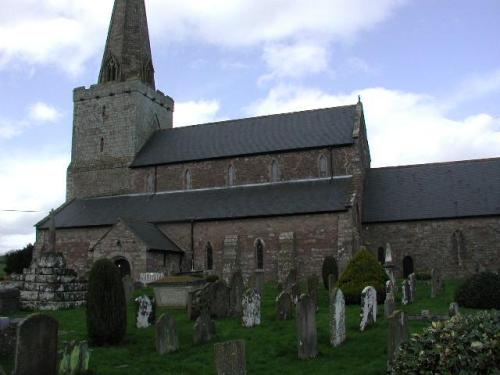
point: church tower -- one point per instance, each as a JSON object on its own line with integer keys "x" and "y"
{"x": 114, "y": 118}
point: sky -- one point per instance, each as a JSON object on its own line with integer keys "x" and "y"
{"x": 427, "y": 71}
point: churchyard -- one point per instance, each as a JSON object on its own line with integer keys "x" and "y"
{"x": 271, "y": 347}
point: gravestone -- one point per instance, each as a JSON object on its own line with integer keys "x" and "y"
{"x": 146, "y": 310}
{"x": 312, "y": 289}
{"x": 398, "y": 334}
{"x": 405, "y": 296}
{"x": 9, "y": 300}
{"x": 236, "y": 294}
{"x": 337, "y": 317}
{"x": 4, "y": 322}
{"x": 75, "y": 358}
{"x": 389, "y": 287}
{"x": 230, "y": 358}
{"x": 307, "y": 336}
{"x": 389, "y": 305}
{"x": 36, "y": 348}
{"x": 219, "y": 301}
{"x": 436, "y": 283}
{"x": 294, "y": 292}
{"x": 286, "y": 255}
{"x": 251, "y": 308}
{"x": 368, "y": 307}
{"x": 166, "y": 336}
{"x": 453, "y": 310}
{"x": 204, "y": 328}
{"x": 128, "y": 287}
{"x": 290, "y": 280}
{"x": 284, "y": 306}
{"x": 412, "y": 279}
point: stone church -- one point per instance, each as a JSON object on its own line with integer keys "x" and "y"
{"x": 264, "y": 194}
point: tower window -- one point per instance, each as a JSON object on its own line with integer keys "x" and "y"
{"x": 188, "y": 183}
{"x": 101, "y": 147}
{"x": 259, "y": 254}
{"x": 112, "y": 70}
{"x": 323, "y": 166}
{"x": 210, "y": 256}
{"x": 231, "y": 175}
{"x": 275, "y": 171}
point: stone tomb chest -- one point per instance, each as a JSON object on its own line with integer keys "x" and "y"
{"x": 172, "y": 291}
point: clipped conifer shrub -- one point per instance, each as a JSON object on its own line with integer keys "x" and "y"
{"x": 465, "y": 344}
{"x": 481, "y": 291}
{"x": 363, "y": 270}
{"x": 329, "y": 268}
{"x": 106, "y": 305}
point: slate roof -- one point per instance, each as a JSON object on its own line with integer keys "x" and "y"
{"x": 256, "y": 135}
{"x": 432, "y": 191}
{"x": 285, "y": 198}
{"x": 153, "y": 237}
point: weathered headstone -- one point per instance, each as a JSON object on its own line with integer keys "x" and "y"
{"x": 75, "y": 359}
{"x": 219, "y": 303}
{"x": 230, "y": 358}
{"x": 453, "y": 310}
{"x": 128, "y": 287}
{"x": 166, "y": 336}
{"x": 436, "y": 283}
{"x": 412, "y": 280}
{"x": 337, "y": 317}
{"x": 251, "y": 308}
{"x": 204, "y": 328}
{"x": 406, "y": 292}
{"x": 36, "y": 348}
{"x": 389, "y": 287}
{"x": 291, "y": 279}
{"x": 284, "y": 306}
{"x": 368, "y": 307}
{"x": 146, "y": 311}
{"x": 398, "y": 334}
{"x": 312, "y": 289}
{"x": 389, "y": 305}
{"x": 236, "y": 293}
{"x": 295, "y": 292}
{"x": 307, "y": 336}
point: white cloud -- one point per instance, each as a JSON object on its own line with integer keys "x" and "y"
{"x": 294, "y": 61}
{"x": 21, "y": 170}
{"x": 68, "y": 32}
{"x": 42, "y": 112}
{"x": 403, "y": 127}
{"x": 476, "y": 87}
{"x": 195, "y": 112}
{"x": 38, "y": 114}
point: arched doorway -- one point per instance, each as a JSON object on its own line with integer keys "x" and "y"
{"x": 407, "y": 266}
{"x": 124, "y": 266}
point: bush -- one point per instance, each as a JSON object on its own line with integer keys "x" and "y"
{"x": 363, "y": 270}
{"x": 106, "y": 305}
{"x": 16, "y": 261}
{"x": 329, "y": 268}
{"x": 481, "y": 291}
{"x": 462, "y": 345}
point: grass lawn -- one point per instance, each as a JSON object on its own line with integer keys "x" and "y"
{"x": 270, "y": 348}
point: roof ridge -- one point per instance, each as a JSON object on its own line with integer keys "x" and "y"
{"x": 452, "y": 162}
{"x": 257, "y": 117}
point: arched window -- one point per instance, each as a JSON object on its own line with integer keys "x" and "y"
{"x": 458, "y": 247}
{"x": 112, "y": 70}
{"x": 275, "y": 171}
{"x": 323, "y": 166}
{"x": 210, "y": 256}
{"x": 259, "y": 254}
{"x": 101, "y": 146}
{"x": 188, "y": 183}
{"x": 407, "y": 266}
{"x": 381, "y": 255}
{"x": 231, "y": 176}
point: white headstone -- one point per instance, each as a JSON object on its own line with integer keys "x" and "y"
{"x": 406, "y": 292}
{"x": 368, "y": 307}
{"x": 389, "y": 305}
{"x": 337, "y": 317}
{"x": 145, "y": 312}
{"x": 251, "y": 308}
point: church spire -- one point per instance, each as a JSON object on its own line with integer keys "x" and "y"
{"x": 127, "y": 55}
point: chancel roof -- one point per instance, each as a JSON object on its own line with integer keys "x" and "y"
{"x": 256, "y": 135}
{"x": 432, "y": 191}
{"x": 276, "y": 199}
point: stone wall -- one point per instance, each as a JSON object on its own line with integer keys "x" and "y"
{"x": 431, "y": 244}
{"x": 111, "y": 123}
